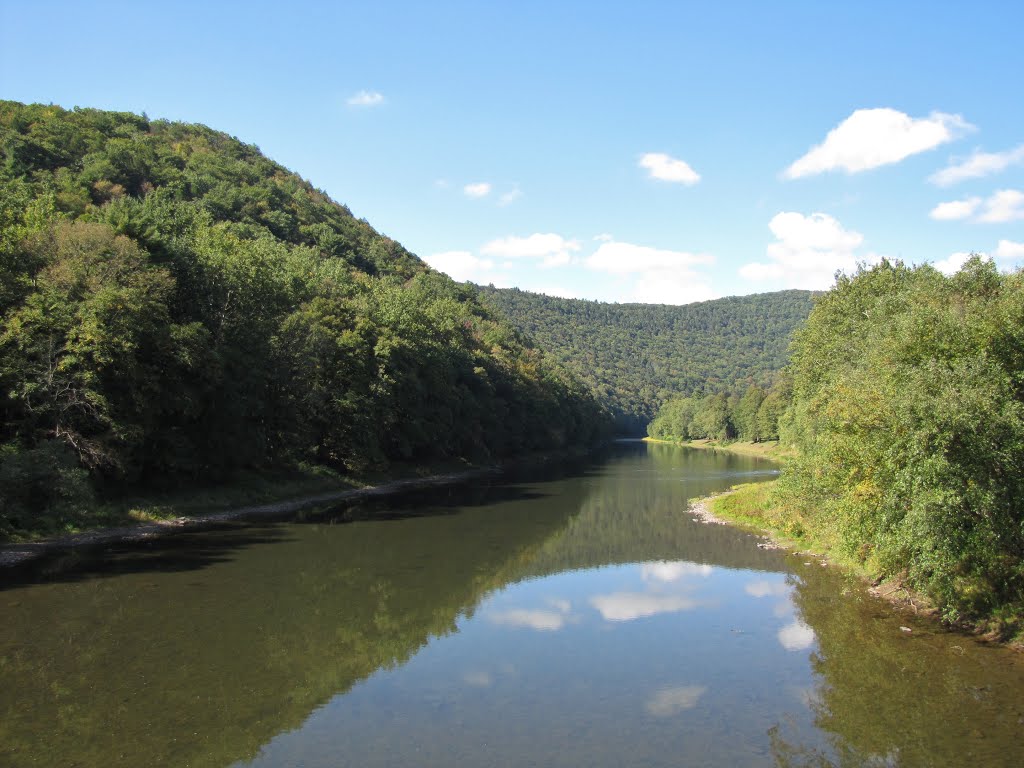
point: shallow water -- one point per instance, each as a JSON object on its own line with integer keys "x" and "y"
{"x": 580, "y": 620}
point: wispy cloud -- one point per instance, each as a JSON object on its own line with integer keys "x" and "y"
{"x": 510, "y": 197}
{"x": 667, "y": 168}
{"x": 998, "y": 208}
{"x": 365, "y": 99}
{"x": 477, "y": 189}
{"x": 870, "y": 138}
{"x": 979, "y": 164}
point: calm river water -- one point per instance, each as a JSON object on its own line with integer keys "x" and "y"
{"x": 576, "y": 620}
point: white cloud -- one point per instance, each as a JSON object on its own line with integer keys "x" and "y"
{"x": 1005, "y": 205}
{"x": 955, "y": 209}
{"x": 462, "y": 265}
{"x": 477, "y": 190}
{"x": 998, "y": 208}
{"x": 365, "y": 99}
{"x": 1007, "y": 250}
{"x": 808, "y": 251}
{"x": 870, "y": 138}
{"x": 604, "y": 237}
{"x": 796, "y": 636}
{"x": 667, "y": 168}
{"x": 624, "y": 258}
{"x": 553, "y": 250}
{"x": 510, "y": 197}
{"x": 977, "y": 165}
{"x": 662, "y": 276}
{"x": 952, "y": 264}
{"x": 672, "y": 701}
{"x": 626, "y": 606}
{"x": 666, "y": 571}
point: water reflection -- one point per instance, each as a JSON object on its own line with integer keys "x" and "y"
{"x": 671, "y": 701}
{"x": 541, "y": 620}
{"x": 580, "y": 620}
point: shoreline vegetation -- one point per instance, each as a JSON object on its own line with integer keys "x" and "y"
{"x": 764, "y": 449}
{"x": 749, "y": 506}
{"x": 145, "y": 519}
{"x": 903, "y": 406}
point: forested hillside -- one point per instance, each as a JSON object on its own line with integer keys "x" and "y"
{"x": 174, "y": 305}
{"x": 635, "y": 356}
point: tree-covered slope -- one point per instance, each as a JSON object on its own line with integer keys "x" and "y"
{"x": 174, "y": 304}
{"x": 634, "y": 356}
{"x": 907, "y": 417}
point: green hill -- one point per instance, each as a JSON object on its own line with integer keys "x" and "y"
{"x": 175, "y": 305}
{"x": 635, "y": 356}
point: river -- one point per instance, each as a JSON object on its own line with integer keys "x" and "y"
{"x": 577, "y": 617}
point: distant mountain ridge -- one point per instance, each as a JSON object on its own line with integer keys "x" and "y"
{"x": 634, "y": 356}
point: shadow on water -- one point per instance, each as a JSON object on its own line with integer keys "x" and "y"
{"x": 201, "y": 647}
{"x": 219, "y": 542}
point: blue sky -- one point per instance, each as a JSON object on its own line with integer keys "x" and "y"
{"x": 644, "y": 151}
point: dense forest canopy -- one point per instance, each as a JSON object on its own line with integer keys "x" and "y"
{"x": 634, "y": 357}
{"x": 173, "y": 305}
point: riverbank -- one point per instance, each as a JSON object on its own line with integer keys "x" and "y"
{"x": 139, "y": 520}
{"x": 747, "y": 506}
{"x": 765, "y": 449}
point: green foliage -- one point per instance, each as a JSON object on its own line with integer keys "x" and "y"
{"x": 634, "y": 357}
{"x": 908, "y": 417}
{"x": 175, "y": 305}
{"x": 46, "y": 477}
{"x": 752, "y": 416}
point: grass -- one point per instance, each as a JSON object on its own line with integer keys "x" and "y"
{"x": 753, "y": 506}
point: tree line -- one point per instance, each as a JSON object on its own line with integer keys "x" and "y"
{"x": 906, "y": 412}
{"x": 176, "y": 306}
{"x": 635, "y": 357}
{"x": 752, "y": 414}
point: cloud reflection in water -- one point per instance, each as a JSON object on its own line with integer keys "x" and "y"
{"x": 626, "y": 606}
{"x": 672, "y": 701}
